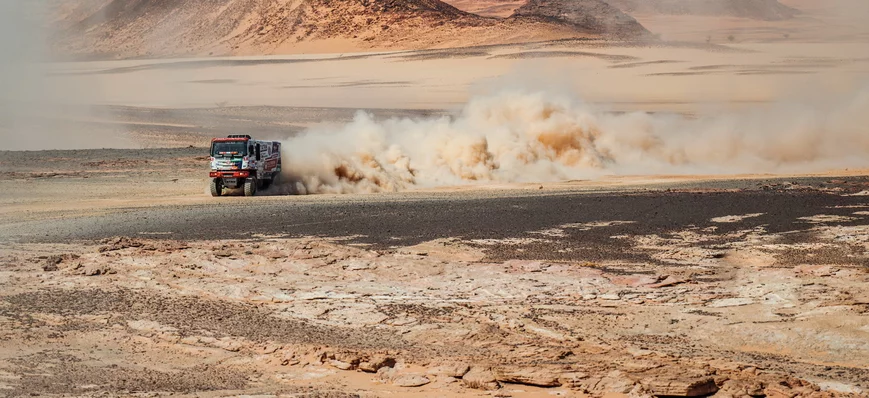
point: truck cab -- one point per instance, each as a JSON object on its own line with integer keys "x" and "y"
{"x": 239, "y": 161}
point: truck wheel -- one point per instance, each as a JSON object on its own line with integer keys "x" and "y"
{"x": 267, "y": 183}
{"x": 250, "y": 186}
{"x": 216, "y": 187}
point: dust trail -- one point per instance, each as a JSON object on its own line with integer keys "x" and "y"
{"x": 538, "y": 137}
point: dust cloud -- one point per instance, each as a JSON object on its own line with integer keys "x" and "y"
{"x": 526, "y": 136}
{"x": 38, "y": 111}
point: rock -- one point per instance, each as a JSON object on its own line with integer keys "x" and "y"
{"x": 681, "y": 387}
{"x": 52, "y": 263}
{"x": 96, "y": 270}
{"x": 410, "y": 380}
{"x": 616, "y": 382}
{"x": 357, "y": 265}
{"x": 341, "y": 364}
{"x": 275, "y": 255}
{"x": 638, "y": 366}
{"x": 386, "y": 374}
{"x": 228, "y": 344}
{"x": 393, "y": 376}
{"x": 779, "y": 391}
{"x": 119, "y": 243}
{"x": 455, "y": 369}
{"x": 481, "y": 379}
{"x": 730, "y": 302}
{"x": 668, "y": 281}
{"x": 634, "y": 280}
{"x": 729, "y": 389}
{"x": 342, "y": 360}
{"x": 533, "y": 376}
{"x": 609, "y": 296}
{"x": 376, "y": 362}
{"x": 572, "y": 379}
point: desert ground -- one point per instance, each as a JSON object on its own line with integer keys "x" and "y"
{"x": 121, "y": 276}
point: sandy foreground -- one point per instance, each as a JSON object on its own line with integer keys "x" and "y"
{"x": 727, "y": 305}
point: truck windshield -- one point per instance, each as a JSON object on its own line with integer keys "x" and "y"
{"x": 229, "y": 148}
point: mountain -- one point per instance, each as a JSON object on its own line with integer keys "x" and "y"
{"x": 767, "y": 10}
{"x": 488, "y": 8}
{"x": 161, "y": 28}
{"x": 591, "y": 15}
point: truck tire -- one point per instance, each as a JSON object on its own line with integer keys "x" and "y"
{"x": 267, "y": 183}
{"x": 216, "y": 187}
{"x": 250, "y": 186}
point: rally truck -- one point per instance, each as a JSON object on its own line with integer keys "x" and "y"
{"x": 239, "y": 161}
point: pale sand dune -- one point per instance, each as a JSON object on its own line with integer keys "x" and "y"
{"x": 440, "y": 81}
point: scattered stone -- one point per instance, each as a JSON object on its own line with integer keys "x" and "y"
{"x": 481, "y": 379}
{"x": 376, "y": 362}
{"x": 613, "y": 382}
{"x": 95, "y": 270}
{"x": 533, "y": 376}
{"x": 275, "y": 255}
{"x": 687, "y": 387}
{"x": 456, "y": 369}
{"x": 779, "y": 391}
{"x": 572, "y": 380}
{"x": 639, "y": 366}
{"x": 397, "y": 378}
{"x": 119, "y": 243}
{"x": 635, "y": 280}
{"x": 410, "y": 380}
{"x": 755, "y": 389}
{"x": 668, "y": 281}
{"x": 52, "y": 263}
{"x": 730, "y": 302}
{"x": 340, "y": 364}
{"x": 228, "y": 344}
{"x": 342, "y": 360}
{"x": 223, "y": 253}
{"x": 616, "y": 382}
{"x": 357, "y": 265}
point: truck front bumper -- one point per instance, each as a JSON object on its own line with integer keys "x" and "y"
{"x": 229, "y": 174}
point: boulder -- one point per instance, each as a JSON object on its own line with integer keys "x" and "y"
{"x": 534, "y": 376}
{"x": 450, "y": 369}
{"x": 376, "y": 362}
{"x": 480, "y": 378}
{"x": 681, "y": 387}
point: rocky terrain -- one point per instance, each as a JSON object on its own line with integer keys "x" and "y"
{"x": 730, "y": 289}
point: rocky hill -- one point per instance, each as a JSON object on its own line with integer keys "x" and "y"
{"x": 488, "y": 8}
{"x": 768, "y": 10}
{"x": 591, "y": 15}
{"x": 155, "y": 28}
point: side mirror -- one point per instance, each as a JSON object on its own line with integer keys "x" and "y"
{"x": 257, "y": 152}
